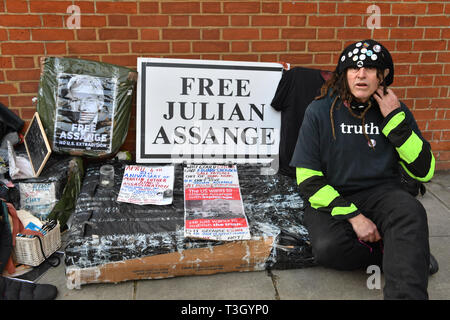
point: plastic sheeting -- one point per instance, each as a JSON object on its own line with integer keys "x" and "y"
{"x": 104, "y": 230}
{"x": 85, "y": 106}
{"x": 53, "y": 194}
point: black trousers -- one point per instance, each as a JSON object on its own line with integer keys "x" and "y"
{"x": 403, "y": 253}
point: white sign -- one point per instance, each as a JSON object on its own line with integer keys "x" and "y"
{"x": 206, "y": 111}
{"x": 147, "y": 185}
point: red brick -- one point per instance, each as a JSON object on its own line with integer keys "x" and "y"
{"x": 352, "y": 8}
{"x": 7, "y": 88}
{"x": 211, "y": 7}
{"x": 241, "y": 7}
{"x": 269, "y": 46}
{"x": 296, "y": 59}
{"x": 149, "y": 21}
{"x": 27, "y": 114}
{"x": 211, "y": 46}
{"x": 180, "y": 7}
{"x": 85, "y": 6}
{"x": 52, "y": 21}
{"x": 296, "y": 7}
{"x": 353, "y": 33}
{"x": 149, "y": 7}
{"x": 271, "y": 7}
{"x": 435, "y": 8}
{"x": 429, "y": 45}
{"x": 5, "y": 62}
{"x": 405, "y": 57}
{"x": 241, "y": 57}
{"x": 21, "y": 101}
{"x": 119, "y": 47}
{"x": 409, "y": 8}
{"x": 407, "y": 21}
{"x": 49, "y": 6}
{"x": 298, "y": 33}
{"x": 440, "y": 165}
{"x": 52, "y": 34}
{"x": 150, "y": 47}
{"x": 329, "y": 21}
{"x": 87, "y": 47}
{"x": 24, "y": 62}
{"x": 440, "y": 103}
{"x": 442, "y": 81}
{"x": 55, "y": 48}
{"x": 315, "y": 46}
{"x": 271, "y": 20}
{"x": 428, "y": 57}
{"x": 297, "y": 21}
{"x": 117, "y": 20}
{"x": 20, "y": 21}
{"x": 92, "y": 21}
{"x": 422, "y": 92}
{"x": 211, "y": 34}
{"x": 29, "y": 87}
{"x": 407, "y": 33}
{"x": 327, "y": 8}
{"x": 3, "y": 35}
{"x": 181, "y": 47}
{"x": 118, "y": 34}
{"x": 437, "y": 21}
{"x": 22, "y": 74}
{"x": 117, "y": 7}
{"x": 13, "y": 48}
{"x": 269, "y": 34}
{"x": 16, "y": 6}
{"x": 297, "y": 45}
{"x": 121, "y": 60}
{"x": 354, "y": 21}
{"x": 424, "y": 114}
{"x": 438, "y": 124}
{"x": 240, "y": 34}
{"x": 150, "y": 34}
{"x": 19, "y": 34}
{"x": 209, "y": 20}
{"x": 426, "y": 69}
{"x": 86, "y": 34}
{"x": 181, "y": 34}
{"x": 240, "y": 46}
{"x": 179, "y": 21}
{"x": 240, "y": 20}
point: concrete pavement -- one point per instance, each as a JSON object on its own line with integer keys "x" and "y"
{"x": 296, "y": 284}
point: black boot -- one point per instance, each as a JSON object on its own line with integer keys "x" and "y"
{"x": 12, "y": 289}
{"x": 434, "y": 266}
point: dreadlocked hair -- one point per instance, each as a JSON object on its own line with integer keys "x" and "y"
{"x": 339, "y": 85}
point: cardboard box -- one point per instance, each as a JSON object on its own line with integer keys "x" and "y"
{"x": 236, "y": 256}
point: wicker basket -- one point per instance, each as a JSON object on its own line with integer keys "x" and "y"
{"x": 28, "y": 250}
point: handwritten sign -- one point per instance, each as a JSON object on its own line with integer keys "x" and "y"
{"x": 147, "y": 185}
{"x": 37, "y": 146}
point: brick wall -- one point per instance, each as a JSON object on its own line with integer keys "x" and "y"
{"x": 304, "y": 33}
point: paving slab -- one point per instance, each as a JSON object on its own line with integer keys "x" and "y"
{"x": 236, "y": 286}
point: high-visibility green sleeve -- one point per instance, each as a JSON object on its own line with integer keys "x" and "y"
{"x": 321, "y": 196}
{"x": 415, "y": 153}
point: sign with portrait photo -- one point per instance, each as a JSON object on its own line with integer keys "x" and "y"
{"x": 84, "y": 112}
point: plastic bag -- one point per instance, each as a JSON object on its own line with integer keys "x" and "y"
{"x": 85, "y": 106}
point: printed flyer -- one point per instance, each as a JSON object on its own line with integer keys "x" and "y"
{"x": 213, "y": 207}
{"x": 147, "y": 185}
